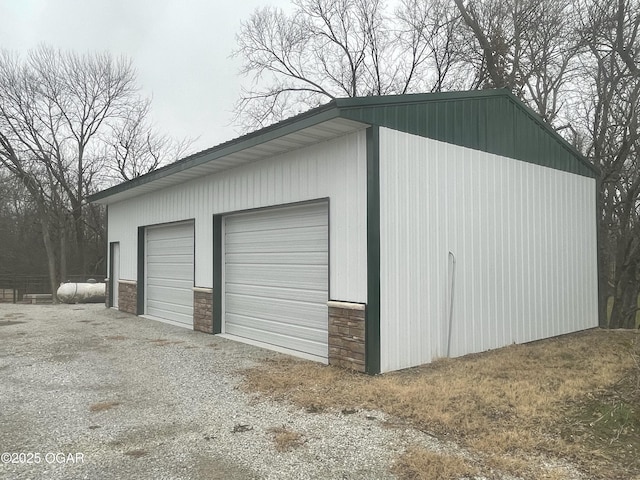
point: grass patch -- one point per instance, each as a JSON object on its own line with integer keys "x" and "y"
{"x": 511, "y": 407}
{"x": 286, "y": 439}
{"x": 103, "y": 406}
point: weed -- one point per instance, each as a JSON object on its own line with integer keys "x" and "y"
{"x": 285, "y": 439}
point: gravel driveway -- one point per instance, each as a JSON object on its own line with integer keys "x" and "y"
{"x": 87, "y": 392}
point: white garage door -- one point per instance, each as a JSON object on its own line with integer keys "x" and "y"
{"x": 276, "y": 277}
{"x": 169, "y": 270}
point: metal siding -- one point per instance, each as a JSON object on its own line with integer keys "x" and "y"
{"x": 524, "y": 239}
{"x": 276, "y": 277}
{"x": 334, "y": 169}
{"x": 169, "y": 272}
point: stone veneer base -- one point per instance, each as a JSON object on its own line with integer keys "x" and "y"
{"x": 128, "y": 297}
{"x": 346, "y": 335}
{"x": 203, "y": 310}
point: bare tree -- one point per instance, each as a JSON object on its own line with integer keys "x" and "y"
{"x": 527, "y": 46}
{"x": 57, "y": 112}
{"x": 339, "y": 48}
{"x": 135, "y": 148}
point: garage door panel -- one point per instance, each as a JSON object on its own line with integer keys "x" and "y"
{"x": 169, "y": 272}
{"x": 308, "y": 277}
{"x": 276, "y": 277}
{"x": 171, "y": 259}
{"x": 298, "y": 216}
{"x": 260, "y": 291}
{"x": 289, "y": 312}
{"x": 172, "y": 272}
{"x": 278, "y": 258}
{"x": 280, "y": 328}
{"x": 282, "y": 340}
{"x": 171, "y": 306}
{"x": 312, "y": 239}
{"x": 172, "y": 312}
{"x": 184, "y": 283}
{"x": 178, "y": 245}
{"x": 170, "y": 293}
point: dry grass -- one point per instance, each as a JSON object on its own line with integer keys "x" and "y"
{"x": 285, "y": 439}
{"x": 419, "y": 464}
{"x": 103, "y": 406}
{"x": 515, "y": 404}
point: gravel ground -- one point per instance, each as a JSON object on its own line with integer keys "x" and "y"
{"x": 97, "y": 393}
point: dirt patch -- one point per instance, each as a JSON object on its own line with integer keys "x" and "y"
{"x": 115, "y": 337}
{"x": 285, "y": 439}
{"x": 103, "y": 406}
{"x": 7, "y": 323}
{"x": 514, "y": 408}
{"x": 161, "y": 342}
{"x": 136, "y": 453}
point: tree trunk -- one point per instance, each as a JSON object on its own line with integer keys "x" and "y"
{"x": 78, "y": 226}
{"x": 51, "y": 257}
{"x": 63, "y": 252}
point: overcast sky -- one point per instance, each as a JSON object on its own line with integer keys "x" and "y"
{"x": 180, "y": 49}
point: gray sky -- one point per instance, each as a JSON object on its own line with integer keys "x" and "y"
{"x": 180, "y": 49}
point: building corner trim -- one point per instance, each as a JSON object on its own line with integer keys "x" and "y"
{"x": 372, "y": 326}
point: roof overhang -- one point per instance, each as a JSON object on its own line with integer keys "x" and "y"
{"x": 323, "y": 124}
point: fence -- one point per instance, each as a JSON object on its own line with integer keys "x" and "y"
{"x": 13, "y": 288}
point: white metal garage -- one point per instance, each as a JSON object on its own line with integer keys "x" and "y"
{"x": 276, "y": 277}
{"x": 169, "y": 273}
{"x": 459, "y": 222}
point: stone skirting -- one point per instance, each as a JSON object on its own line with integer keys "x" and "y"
{"x": 128, "y": 296}
{"x": 346, "y": 335}
{"x": 203, "y": 309}
{"x": 106, "y": 293}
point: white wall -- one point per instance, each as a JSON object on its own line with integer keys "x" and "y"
{"x": 524, "y": 239}
{"x": 334, "y": 169}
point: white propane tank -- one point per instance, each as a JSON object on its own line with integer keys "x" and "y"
{"x": 82, "y": 292}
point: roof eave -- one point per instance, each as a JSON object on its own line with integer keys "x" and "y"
{"x": 312, "y": 117}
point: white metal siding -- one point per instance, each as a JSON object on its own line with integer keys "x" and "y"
{"x": 276, "y": 277}
{"x": 524, "y": 240}
{"x": 334, "y": 169}
{"x": 169, "y": 272}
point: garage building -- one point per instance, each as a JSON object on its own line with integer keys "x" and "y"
{"x": 372, "y": 233}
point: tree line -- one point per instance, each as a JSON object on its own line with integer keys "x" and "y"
{"x": 70, "y": 124}
{"x": 574, "y": 62}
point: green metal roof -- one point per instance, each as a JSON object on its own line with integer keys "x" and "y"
{"x": 494, "y": 121}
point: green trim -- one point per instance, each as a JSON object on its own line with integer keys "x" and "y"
{"x": 372, "y": 314}
{"x": 141, "y": 261}
{"x": 217, "y": 274}
{"x": 111, "y": 247}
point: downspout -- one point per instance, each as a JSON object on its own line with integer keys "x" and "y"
{"x": 452, "y": 279}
